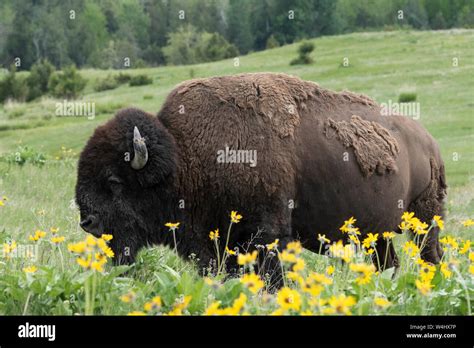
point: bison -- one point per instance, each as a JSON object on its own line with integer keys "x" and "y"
{"x": 294, "y": 158}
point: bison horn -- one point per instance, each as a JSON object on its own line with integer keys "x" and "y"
{"x": 141, "y": 153}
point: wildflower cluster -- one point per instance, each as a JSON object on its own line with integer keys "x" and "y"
{"x": 92, "y": 253}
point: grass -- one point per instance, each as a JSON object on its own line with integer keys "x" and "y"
{"x": 381, "y": 65}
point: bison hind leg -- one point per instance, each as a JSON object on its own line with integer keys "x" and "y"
{"x": 425, "y": 207}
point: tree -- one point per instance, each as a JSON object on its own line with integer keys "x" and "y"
{"x": 238, "y": 25}
{"x": 212, "y": 47}
{"x": 66, "y": 84}
{"x": 188, "y": 46}
{"x": 13, "y": 86}
{"x": 38, "y": 79}
{"x": 88, "y": 34}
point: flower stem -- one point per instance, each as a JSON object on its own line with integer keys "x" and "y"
{"x": 174, "y": 239}
{"x": 218, "y": 257}
{"x": 27, "y": 303}
{"x": 87, "y": 293}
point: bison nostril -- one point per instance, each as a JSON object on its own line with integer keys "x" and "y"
{"x": 87, "y": 222}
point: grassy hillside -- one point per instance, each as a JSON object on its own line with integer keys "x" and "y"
{"x": 382, "y": 65}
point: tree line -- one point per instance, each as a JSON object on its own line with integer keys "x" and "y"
{"x": 117, "y": 34}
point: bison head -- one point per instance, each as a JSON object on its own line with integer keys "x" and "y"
{"x": 125, "y": 175}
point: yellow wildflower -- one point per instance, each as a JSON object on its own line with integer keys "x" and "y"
{"x": 294, "y": 276}
{"x": 317, "y": 302}
{"x": 427, "y": 272}
{"x": 312, "y": 288}
{"x": 30, "y": 269}
{"x": 252, "y": 282}
{"x": 273, "y": 245}
{"x": 322, "y": 239}
{"x": 381, "y": 302}
{"x": 54, "y": 230}
{"x": 411, "y": 249}
{"x": 98, "y": 265}
{"x": 438, "y": 221}
{"x": 8, "y": 248}
{"x": 180, "y": 305}
{"x": 91, "y": 241}
{"x": 445, "y": 270}
{"x": 213, "y": 309}
{"x": 364, "y": 272}
{"x": 354, "y": 239}
{"x": 246, "y": 259}
{"x": 319, "y": 278}
{"x": 369, "y": 251}
{"x": 287, "y": 257}
{"x": 299, "y": 265}
{"x": 230, "y": 251}
{"x": 388, "y": 235}
{"x": 238, "y": 304}
{"x": 418, "y": 226}
{"x": 345, "y": 252}
{"x": 347, "y": 223}
{"x": 136, "y": 313}
{"x": 37, "y": 236}
{"x": 289, "y": 299}
{"x": 370, "y": 240}
{"x": 84, "y": 262}
{"x": 172, "y": 225}
{"x": 129, "y": 297}
{"x": 107, "y": 237}
{"x": 340, "y": 304}
{"x": 77, "y": 248}
{"x": 449, "y": 242}
{"x": 424, "y": 287}
{"x": 468, "y": 222}
{"x": 294, "y": 247}
{"x": 330, "y": 270}
{"x": 58, "y": 239}
{"x": 235, "y": 217}
{"x": 214, "y": 235}
{"x": 465, "y": 247}
{"x": 404, "y": 226}
{"x": 153, "y": 305}
{"x": 407, "y": 216}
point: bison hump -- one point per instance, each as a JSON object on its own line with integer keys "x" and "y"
{"x": 374, "y": 147}
{"x": 277, "y": 98}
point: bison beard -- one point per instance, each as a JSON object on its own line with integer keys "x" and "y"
{"x": 322, "y": 157}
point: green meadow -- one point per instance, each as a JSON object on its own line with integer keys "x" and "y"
{"x": 438, "y": 66}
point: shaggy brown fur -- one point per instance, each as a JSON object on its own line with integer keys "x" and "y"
{"x": 375, "y": 149}
{"x": 302, "y": 185}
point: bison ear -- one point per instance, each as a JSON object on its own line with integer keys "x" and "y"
{"x": 140, "y": 156}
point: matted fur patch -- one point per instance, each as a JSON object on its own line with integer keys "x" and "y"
{"x": 374, "y": 147}
{"x": 277, "y": 97}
